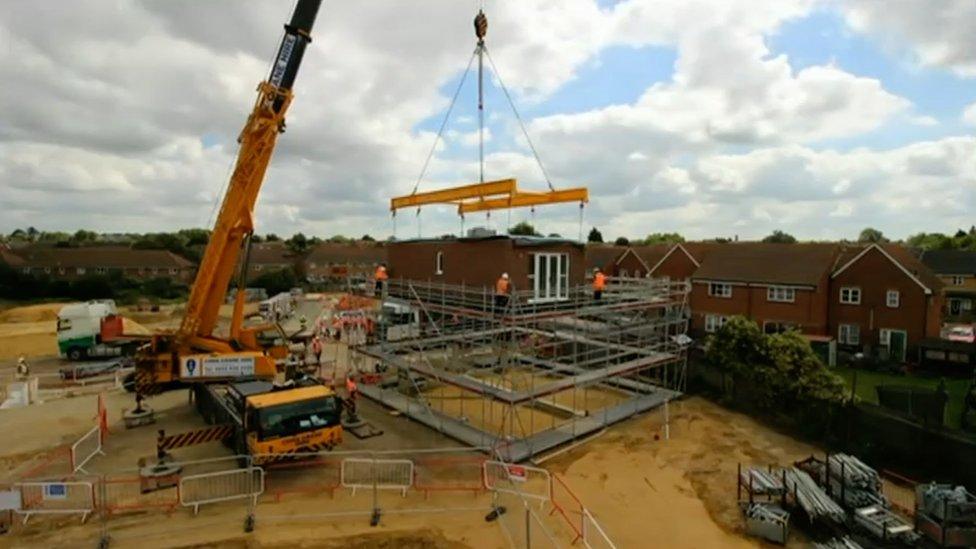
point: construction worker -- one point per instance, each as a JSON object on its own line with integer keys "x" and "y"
{"x": 351, "y": 399}
{"x": 599, "y": 283}
{"x": 381, "y": 277}
{"x": 23, "y": 369}
{"x": 503, "y": 289}
{"x": 317, "y": 349}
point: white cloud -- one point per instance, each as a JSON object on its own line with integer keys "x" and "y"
{"x": 106, "y": 104}
{"x": 940, "y": 34}
{"x": 969, "y": 114}
{"x": 923, "y": 120}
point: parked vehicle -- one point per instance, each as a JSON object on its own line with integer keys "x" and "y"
{"x": 966, "y": 334}
{"x": 92, "y": 329}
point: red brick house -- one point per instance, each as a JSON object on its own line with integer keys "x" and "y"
{"x": 604, "y": 257}
{"x": 883, "y": 298}
{"x": 70, "y": 263}
{"x": 333, "y": 260}
{"x": 779, "y": 286}
{"x": 548, "y": 267}
{"x": 637, "y": 261}
{"x": 268, "y": 257}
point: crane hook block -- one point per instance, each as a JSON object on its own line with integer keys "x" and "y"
{"x": 480, "y": 25}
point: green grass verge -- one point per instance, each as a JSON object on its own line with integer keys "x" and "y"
{"x": 867, "y": 380}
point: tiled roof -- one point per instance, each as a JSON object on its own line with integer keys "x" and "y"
{"x": 766, "y": 263}
{"x": 950, "y": 262}
{"x": 273, "y": 253}
{"x": 357, "y": 252}
{"x": 602, "y": 255}
{"x": 903, "y": 256}
{"x": 101, "y": 256}
{"x": 652, "y": 254}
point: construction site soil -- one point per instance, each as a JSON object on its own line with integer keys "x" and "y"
{"x": 640, "y": 487}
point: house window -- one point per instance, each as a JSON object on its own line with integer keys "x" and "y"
{"x": 549, "y": 276}
{"x": 439, "y": 263}
{"x": 781, "y": 294}
{"x": 777, "y": 327}
{"x": 850, "y": 296}
{"x": 714, "y": 322}
{"x": 623, "y": 273}
{"x": 60, "y": 270}
{"x": 849, "y": 334}
{"x": 893, "y": 299}
{"x": 47, "y": 270}
{"x": 173, "y": 271}
{"x": 958, "y": 280}
{"x": 719, "y": 290}
{"x": 101, "y": 270}
{"x": 80, "y": 270}
{"x": 257, "y": 268}
{"x": 26, "y": 270}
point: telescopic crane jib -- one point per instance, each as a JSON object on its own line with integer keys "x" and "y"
{"x": 193, "y": 352}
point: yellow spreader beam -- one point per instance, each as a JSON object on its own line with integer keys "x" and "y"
{"x": 524, "y": 200}
{"x": 455, "y": 194}
{"x": 493, "y": 195}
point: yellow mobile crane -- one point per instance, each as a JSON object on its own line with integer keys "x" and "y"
{"x": 251, "y": 413}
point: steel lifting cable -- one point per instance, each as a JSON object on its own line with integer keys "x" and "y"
{"x": 518, "y": 117}
{"x": 447, "y": 116}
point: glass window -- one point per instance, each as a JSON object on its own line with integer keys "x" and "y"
{"x": 297, "y": 417}
{"x": 850, "y": 296}
{"x": 439, "y": 263}
{"x": 781, "y": 294}
{"x": 893, "y": 298}
{"x": 849, "y": 334}
{"x": 716, "y": 289}
{"x": 714, "y": 322}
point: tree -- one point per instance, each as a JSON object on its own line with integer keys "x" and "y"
{"x": 622, "y": 241}
{"x": 298, "y": 243}
{"x": 931, "y": 241}
{"x": 663, "y": 238}
{"x": 523, "y": 228}
{"x": 338, "y": 239}
{"x": 555, "y": 235}
{"x": 781, "y": 368}
{"x": 594, "y": 236}
{"x": 275, "y": 282}
{"x": 271, "y": 237}
{"x": 81, "y": 236}
{"x": 367, "y": 238}
{"x": 780, "y": 237}
{"x": 871, "y": 235}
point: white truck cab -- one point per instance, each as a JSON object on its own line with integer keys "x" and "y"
{"x": 80, "y": 328}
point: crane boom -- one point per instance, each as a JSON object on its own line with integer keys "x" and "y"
{"x": 185, "y": 354}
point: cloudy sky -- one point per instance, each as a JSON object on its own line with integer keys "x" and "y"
{"x": 705, "y": 117}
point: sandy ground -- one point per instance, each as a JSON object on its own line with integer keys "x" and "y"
{"x": 678, "y": 492}
{"x": 682, "y": 490}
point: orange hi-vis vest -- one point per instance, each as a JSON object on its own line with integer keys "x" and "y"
{"x": 599, "y": 281}
{"x": 381, "y": 273}
{"x": 350, "y": 385}
{"x": 502, "y": 286}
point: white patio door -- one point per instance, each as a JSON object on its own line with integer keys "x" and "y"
{"x": 550, "y": 274}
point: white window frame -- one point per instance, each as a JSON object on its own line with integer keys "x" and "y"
{"x": 26, "y": 270}
{"x": 958, "y": 280}
{"x": 439, "y": 263}
{"x": 549, "y": 289}
{"x": 845, "y": 331}
{"x": 714, "y": 322}
{"x": 174, "y": 271}
{"x": 851, "y": 292}
{"x": 720, "y": 289}
{"x": 80, "y": 270}
{"x": 781, "y": 294}
{"x": 101, "y": 270}
{"x": 893, "y": 303}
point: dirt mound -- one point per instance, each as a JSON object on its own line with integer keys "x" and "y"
{"x": 424, "y": 538}
{"x": 32, "y": 313}
{"x": 131, "y": 327}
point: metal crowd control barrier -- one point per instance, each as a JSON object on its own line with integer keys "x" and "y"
{"x": 56, "y": 498}
{"x": 593, "y": 535}
{"x": 197, "y": 490}
{"x": 520, "y": 480}
{"x": 382, "y": 474}
{"x": 87, "y": 447}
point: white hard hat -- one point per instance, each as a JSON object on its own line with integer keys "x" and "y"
{"x": 505, "y": 275}
{"x": 21, "y": 360}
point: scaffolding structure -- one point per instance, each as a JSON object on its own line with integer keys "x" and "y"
{"x": 525, "y": 375}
